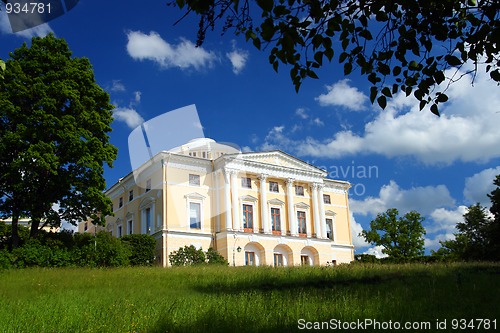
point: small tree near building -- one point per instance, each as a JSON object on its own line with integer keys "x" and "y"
{"x": 401, "y": 237}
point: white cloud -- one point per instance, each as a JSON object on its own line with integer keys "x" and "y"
{"x": 302, "y": 113}
{"x": 117, "y": 86}
{"x": 479, "y": 185}
{"x": 422, "y": 199}
{"x": 356, "y": 228}
{"x": 38, "y": 31}
{"x": 152, "y": 47}
{"x": 238, "y": 59}
{"x": 129, "y": 116}
{"x": 137, "y": 97}
{"x": 342, "y": 94}
{"x": 466, "y": 131}
{"x": 376, "y": 251}
{"x": 318, "y": 122}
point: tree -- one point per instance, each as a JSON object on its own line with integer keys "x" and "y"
{"x": 54, "y": 121}
{"x": 494, "y": 228}
{"x": 399, "y": 45}
{"x": 471, "y": 240}
{"x": 402, "y": 238}
{"x": 478, "y": 236}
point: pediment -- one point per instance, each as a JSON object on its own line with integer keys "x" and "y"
{"x": 281, "y": 159}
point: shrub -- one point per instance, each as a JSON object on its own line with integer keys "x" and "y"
{"x": 187, "y": 256}
{"x": 141, "y": 249}
{"x": 5, "y": 259}
{"x": 215, "y": 258}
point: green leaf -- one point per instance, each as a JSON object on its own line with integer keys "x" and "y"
{"x": 387, "y": 91}
{"x": 453, "y": 61}
{"x": 373, "y": 94}
{"x": 266, "y": 5}
{"x": 347, "y": 68}
{"x": 382, "y": 102}
{"x": 366, "y": 34}
{"x": 441, "y": 98}
{"x": 343, "y": 56}
{"x": 434, "y": 109}
{"x": 495, "y": 75}
{"x": 329, "y": 53}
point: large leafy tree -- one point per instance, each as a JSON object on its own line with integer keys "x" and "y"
{"x": 54, "y": 125}
{"x": 494, "y": 228}
{"x": 399, "y": 45}
{"x": 401, "y": 237}
{"x": 472, "y": 239}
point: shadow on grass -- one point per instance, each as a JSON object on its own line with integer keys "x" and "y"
{"x": 302, "y": 282}
{"x": 211, "y": 322}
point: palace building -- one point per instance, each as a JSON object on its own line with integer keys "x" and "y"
{"x": 257, "y": 208}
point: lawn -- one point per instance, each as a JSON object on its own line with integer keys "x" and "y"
{"x": 247, "y": 299}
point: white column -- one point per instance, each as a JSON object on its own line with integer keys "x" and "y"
{"x": 234, "y": 198}
{"x": 322, "y": 217}
{"x": 227, "y": 200}
{"x": 263, "y": 204}
{"x": 317, "y": 228}
{"x": 283, "y": 222}
{"x": 292, "y": 219}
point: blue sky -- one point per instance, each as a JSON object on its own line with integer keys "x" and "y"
{"x": 399, "y": 157}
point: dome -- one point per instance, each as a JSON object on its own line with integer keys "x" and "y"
{"x": 206, "y": 148}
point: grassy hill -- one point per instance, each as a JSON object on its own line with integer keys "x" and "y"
{"x": 248, "y": 299}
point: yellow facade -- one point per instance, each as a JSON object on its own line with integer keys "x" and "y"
{"x": 265, "y": 208}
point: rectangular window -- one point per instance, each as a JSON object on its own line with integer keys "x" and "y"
{"x": 119, "y": 231}
{"x": 112, "y": 207}
{"x": 130, "y": 227}
{"x": 299, "y": 190}
{"x": 273, "y": 187}
{"x": 329, "y": 228}
{"x": 246, "y": 182}
{"x": 194, "y": 180}
{"x": 276, "y": 219}
{"x": 304, "y": 260}
{"x": 301, "y": 219}
{"x": 148, "y": 185}
{"x": 148, "y": 220}
{"x": 204, "y": 154}
{"x": 278, "y": 260}
{"x": 120, "y": 203}
{"x": 326, "y": 199}
{"x": 249, "y": 258}
{"x": 195, "y": 215}
{"x": 131, "y": 195}
{"x": 248, "y": 216}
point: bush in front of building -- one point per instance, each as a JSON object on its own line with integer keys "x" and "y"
{"x": 190, "y": 255}
{"x": 142, "y": 249}
{"x": 65, "y": 249}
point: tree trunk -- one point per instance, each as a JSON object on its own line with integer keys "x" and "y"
{"x": 35, "y": 224}
{"x": 15, "y": 232}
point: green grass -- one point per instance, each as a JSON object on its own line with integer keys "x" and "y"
{"x": 242, "y": 299}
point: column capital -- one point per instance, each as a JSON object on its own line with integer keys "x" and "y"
{"x": 290, "y": 181}
{"x": 262, "y": 177}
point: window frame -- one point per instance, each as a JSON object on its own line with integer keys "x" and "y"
{"x": 148, "y": 185}
{"x": 273, "y": 228}
{"x": 304, "y": 220}
{"x": 327, "y": 201}
{"x": 250, "y": 258}
{"x": 130, "y": 195}
{"x": 245, "y": 215}
{"x": 280, "y": 259}
{"x": 194, "y": 180}
{"x": 246, "y": 182}
{"x": 274, "y": 187}
{"x": 120, "y": 202}
{"x": 200, "y": 209}
{"x": 299, "y": 190}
